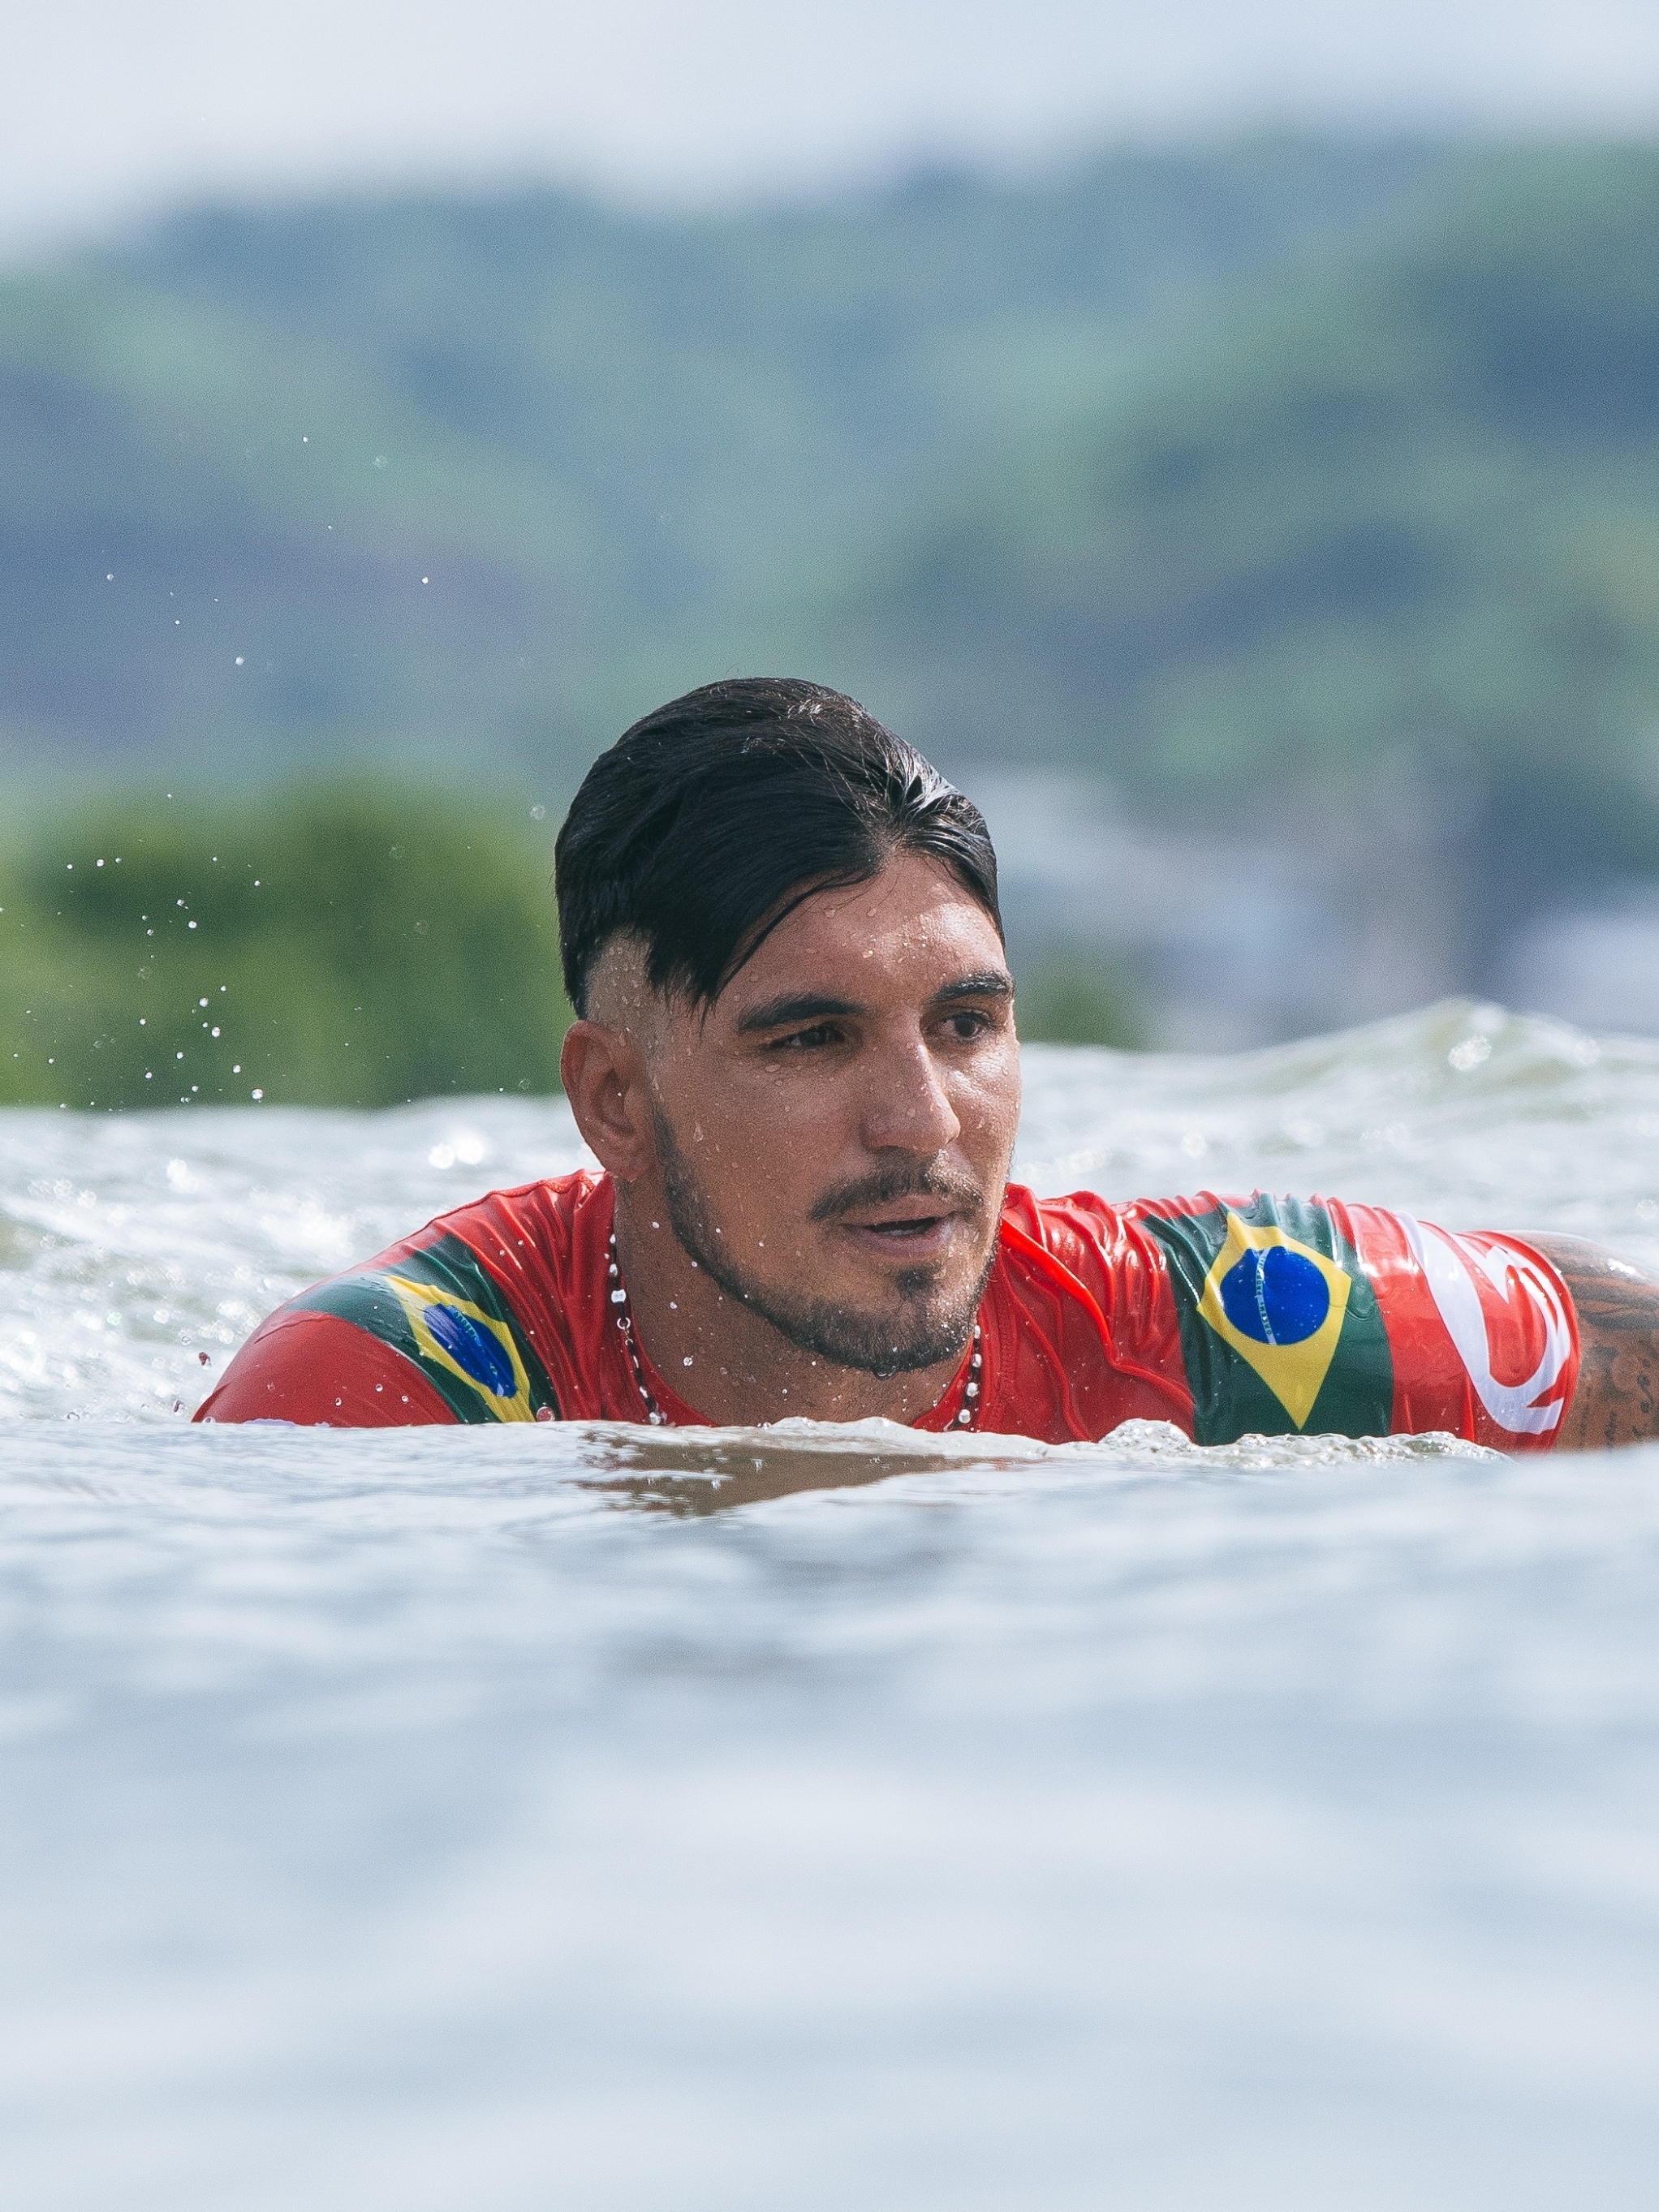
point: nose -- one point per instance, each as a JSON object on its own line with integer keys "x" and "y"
{"x": 907, "y": 1107}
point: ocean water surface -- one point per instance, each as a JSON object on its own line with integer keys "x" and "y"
{"x": 806, "y": 1818}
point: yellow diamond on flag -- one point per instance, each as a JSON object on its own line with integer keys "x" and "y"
{"x": 1280, "y": 1305}
{"x": 461, "y": 1337}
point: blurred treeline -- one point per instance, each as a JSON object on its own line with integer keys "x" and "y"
{"x": 450, "y": 477}
{"x": 1298, "y": 491}
{"x": 1387, "y": 531}
{"x": 328, "y": 945}
{"x": 337, "y": 944}
{"x": 333, "y": 944}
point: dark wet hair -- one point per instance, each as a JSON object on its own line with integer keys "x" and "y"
{"x": 710, "y": 821}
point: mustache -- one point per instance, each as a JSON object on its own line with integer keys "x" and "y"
{"x": 960, "y": 1191}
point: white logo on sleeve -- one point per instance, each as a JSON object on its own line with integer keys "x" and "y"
{"x": 1450, "y": 1265}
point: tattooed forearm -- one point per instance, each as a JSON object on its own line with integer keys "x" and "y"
{"x": 1617, "y": 1398}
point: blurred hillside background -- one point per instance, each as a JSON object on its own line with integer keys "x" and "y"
{"x": 1259, "y": 513}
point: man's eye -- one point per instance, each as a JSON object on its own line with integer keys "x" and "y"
{"x": 812, "y": 1040}
{"x": 967, "y": 1024}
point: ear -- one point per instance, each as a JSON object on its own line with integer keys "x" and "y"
{"x": 604, "y": 1080}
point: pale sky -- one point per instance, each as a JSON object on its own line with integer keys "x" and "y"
{"x": 110, "y": 107}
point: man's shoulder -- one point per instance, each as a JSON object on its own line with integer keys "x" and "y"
{"x": 1114, "y": 1229}
{"x": 1082, "y": 1332}
{"x": 1082, "y": 1230}
{"x": 546, "y": 1213}
{"x": 1099, "y": 1249}
{"x": 470, "y": 1303}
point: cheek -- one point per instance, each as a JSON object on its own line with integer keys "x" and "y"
{"x": 796, "y": 1118}
{"x": 988, "y": 1102}
{"x": 756, "y": 1156}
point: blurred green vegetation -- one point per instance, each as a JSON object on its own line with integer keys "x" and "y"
{"x": 1212, "y": 472}
{"x": 340, "y": 945}
{"x": 1077, "y": 995}
{"x": 331, "y": 946}
{"x": 1397, "y": 510}
{"x": 419, "y": 475}
{"x": 1271, "y": 484}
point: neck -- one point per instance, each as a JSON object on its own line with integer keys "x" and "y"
{"x": 724, "y": 1359}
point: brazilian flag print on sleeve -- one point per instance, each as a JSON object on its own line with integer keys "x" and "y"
{"x": 438, "y": 1305}
{"x": 1281, "y": 1330}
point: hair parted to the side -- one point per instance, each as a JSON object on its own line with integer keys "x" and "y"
{"x": 712, "y": 818}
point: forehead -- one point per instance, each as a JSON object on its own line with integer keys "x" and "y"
{"x": 904, "y": 932}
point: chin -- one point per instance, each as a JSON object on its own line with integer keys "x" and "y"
{"x": 892, "y": 1326}
{"x": 926, "y": 1314}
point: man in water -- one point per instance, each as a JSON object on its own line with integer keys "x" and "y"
{"x": 795, "y": 1060}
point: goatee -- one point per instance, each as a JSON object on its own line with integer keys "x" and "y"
{"x": 929, "y": 1325}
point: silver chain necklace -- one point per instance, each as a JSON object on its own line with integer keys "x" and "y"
{"x": 653, "y": 1412}
{"x": 659, "y": 1420}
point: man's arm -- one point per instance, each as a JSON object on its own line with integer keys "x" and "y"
{"x": 1616, "y": 1400}
{"x": 318, "y": 1371}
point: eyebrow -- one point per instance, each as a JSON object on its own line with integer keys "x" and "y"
{"x": 818, "y": 1007}
{"x": 804, "y": 1006}
{"x": 989, "y": 983}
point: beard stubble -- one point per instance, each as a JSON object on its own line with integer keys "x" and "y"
{"x": 928, "y": 1326}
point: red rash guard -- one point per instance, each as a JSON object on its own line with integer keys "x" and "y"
{"x": 1227, "y": 1316}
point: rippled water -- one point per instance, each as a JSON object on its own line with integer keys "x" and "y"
{"x": 583, "y": 1818}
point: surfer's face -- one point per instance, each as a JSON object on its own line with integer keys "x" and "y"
{"x": 832, "y": 1136}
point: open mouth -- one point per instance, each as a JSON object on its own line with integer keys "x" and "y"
{"x": 917, "y": 1227}
{"x": 922, "y": 1222}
